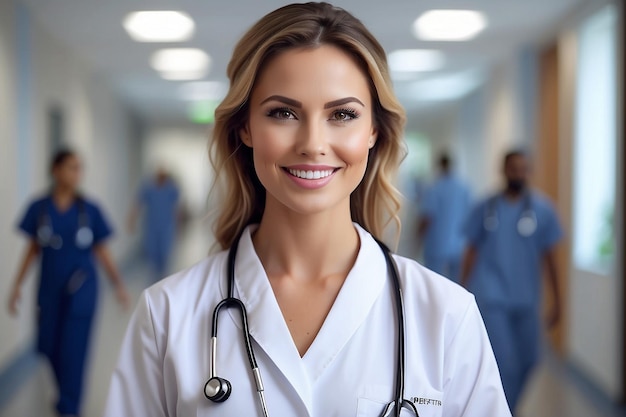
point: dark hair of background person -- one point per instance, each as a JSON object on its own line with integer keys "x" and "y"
{"x": 445, "y": 162}
{"x": 60, "y": 157}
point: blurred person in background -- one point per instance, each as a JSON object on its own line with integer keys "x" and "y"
{"x": 66, "y": 231}
{"x": 157, "y": 202}
{"x": 445, "y": 206}
{"x": 511, "y": 237}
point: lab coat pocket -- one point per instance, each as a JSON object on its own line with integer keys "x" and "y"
{"x": 367, "y": 407}
{"x": 373, "y": 399}
{"x": 430, "y": 406}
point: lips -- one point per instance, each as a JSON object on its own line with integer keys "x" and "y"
{"x": 311, "y": 176}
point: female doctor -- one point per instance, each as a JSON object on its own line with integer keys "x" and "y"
{"x": 306, "y": 142}
{"x": 67, "y": 230}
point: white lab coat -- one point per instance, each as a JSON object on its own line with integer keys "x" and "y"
{"x": 347, "y": 371}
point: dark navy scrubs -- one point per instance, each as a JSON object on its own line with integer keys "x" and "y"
{"x": 67, "y": 291}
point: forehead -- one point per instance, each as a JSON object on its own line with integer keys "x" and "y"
{"x": 70, "y": 160}
{"x": 309, "y": 74}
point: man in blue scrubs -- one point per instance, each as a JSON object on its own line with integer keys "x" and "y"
{"x": 444, "y": 208}
{"x": 511, "y": 236}
{"x": 158, "y": 198}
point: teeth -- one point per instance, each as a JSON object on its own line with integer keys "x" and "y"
{"x": 310, "y": 175}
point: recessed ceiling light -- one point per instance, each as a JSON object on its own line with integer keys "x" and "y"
{"x": 182, "y": 75}
{"x": 181, "y": 63}
{"x": 449, "y": 25}
{"x": 159, "y": 26}
{"x": 202, "y": 90}
{"x": 405, "y": 61}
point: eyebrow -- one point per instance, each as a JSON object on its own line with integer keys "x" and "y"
{"x": 343, "y": 101}
{"x": 298, "y": 104}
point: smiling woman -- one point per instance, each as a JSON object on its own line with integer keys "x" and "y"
{"x": 306, "y": 143}
{"x": 304, "y": 28}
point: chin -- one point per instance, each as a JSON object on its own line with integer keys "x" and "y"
{"x": 311, "y": 206}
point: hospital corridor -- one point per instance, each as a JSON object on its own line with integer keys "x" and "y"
{"x": 136, "y": 143}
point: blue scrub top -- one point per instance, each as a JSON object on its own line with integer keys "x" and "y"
{"x": 507, "y": 271}
{"x": 59, "y": 265}
{"x": 446, "y": 203}
{"x": 159, "y": 202}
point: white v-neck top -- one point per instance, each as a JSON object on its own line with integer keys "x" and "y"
{"x": 349, "y": 369}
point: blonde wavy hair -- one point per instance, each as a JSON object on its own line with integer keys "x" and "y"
{"x": 375, "y": 202}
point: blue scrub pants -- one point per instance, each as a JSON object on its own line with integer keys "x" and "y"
{"x": 515, "y": 336}
{"x": 158, "y": 247}
{"x": 64, "y": 333}
{"x": 449, "y": 267}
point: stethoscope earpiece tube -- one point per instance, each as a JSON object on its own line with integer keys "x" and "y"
{"x": 526, "y": 224}
{"x": 46, "y": 237}
{"x": 219, "y": 389}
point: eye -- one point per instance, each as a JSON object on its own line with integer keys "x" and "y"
{"x": 281, "y": 113}
{"x": 344, "y": 115}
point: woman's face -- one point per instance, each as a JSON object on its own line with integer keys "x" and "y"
{"x": 68, "y": 173}
{"x": 310, "y": 128}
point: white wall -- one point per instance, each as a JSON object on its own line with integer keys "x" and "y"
{"x": 493, "y": 119}
{"x": 9, "y": 329}
{"x": 184, "y": 152}
{"x": 97, "y": 125}
{"x": 595, "y": 294}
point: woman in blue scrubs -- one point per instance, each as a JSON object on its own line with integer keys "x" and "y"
{"x": 66, "y": 232}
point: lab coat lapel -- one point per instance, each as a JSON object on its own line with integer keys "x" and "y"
{"x": 358, "y": 294}
{"x": 265, "y": 320}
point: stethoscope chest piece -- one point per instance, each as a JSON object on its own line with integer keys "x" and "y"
{"x": 217, "y": 389}
{"x": 527, "y": 224}
{"x": 46, "y": 236}
{"x": 84, "y": 237}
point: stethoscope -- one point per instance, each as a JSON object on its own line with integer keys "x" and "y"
{"x": 46, "y": 237}
{"x": 218, "y": 389}
{"x": 526, "y": 225}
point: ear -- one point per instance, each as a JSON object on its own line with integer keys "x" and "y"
{"x": 244, "y": 134}
{"x": 373, "y": 137}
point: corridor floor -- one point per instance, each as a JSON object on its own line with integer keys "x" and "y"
{"x": 552, "y": 392}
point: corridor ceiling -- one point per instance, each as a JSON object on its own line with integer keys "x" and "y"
{"x": 93, "y": 29}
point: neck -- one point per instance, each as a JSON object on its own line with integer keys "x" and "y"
{"x": 63, "y": 195}
{"x": 306, "y": 246}
{"x": 513, "y": 194}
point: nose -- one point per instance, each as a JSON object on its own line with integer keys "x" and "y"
{"x": 311, "y": 139}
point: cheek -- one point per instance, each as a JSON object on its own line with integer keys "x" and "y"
{"x": 270, "y": 144}
{"x": 353, "y": 147}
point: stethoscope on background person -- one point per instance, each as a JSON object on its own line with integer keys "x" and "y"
{"x": 46, "y": 237}
{"x": 218, "y": 389}
{"x": 526, "y": 225}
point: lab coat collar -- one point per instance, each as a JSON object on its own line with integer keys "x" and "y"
{"x": 267, "y": 326}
